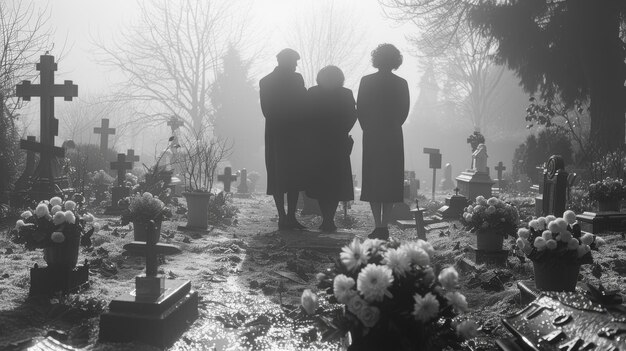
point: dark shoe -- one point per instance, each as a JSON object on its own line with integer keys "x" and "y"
{"x": 379, "y": 233}
{"x": 293, "y": 223}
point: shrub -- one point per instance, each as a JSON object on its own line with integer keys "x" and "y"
{"x": 221, "y": 207}
{"x": 537, "y": 149}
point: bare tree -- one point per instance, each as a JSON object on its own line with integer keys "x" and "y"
{"x": 171, "y": 56}
{"x": 328, "y": 34}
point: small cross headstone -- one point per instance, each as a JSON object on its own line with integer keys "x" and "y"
{"x": 121, "y": 166}
{"x": 500, "y": 167}
{"x": 175, "y": 123}
{"x": 104, "y": 132}
{"x": 131, "y": 157}
{"x": 243, "y": 182}
{"x": 227, "y": 178}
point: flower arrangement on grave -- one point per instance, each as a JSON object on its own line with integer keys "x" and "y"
{"x": 491, "y": 214}
{"x": 143, "y": 208}
{"x": 388, "y": 296}
{"x": 557, "y": 247}
{"x": 609, "y": 189}
{"x": 57, "y": 226}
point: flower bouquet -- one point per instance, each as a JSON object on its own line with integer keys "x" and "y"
{"x": 492, "y": 220}
{"x": 57, "y": 227}
{"x": 140, "y": 209}
{"x": 608, "y": 193}
{"x": 388, "y": 297}
{"x": 557, "y": 248}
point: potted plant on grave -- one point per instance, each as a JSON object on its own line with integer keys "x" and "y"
{"x": 199, "y": 159}
{"x": 388, "y": 297}
{"x": 557, "y": 247}
{"x": 608, "y": 193}
{"x": 56, "y": 226}
{"x": 492, "y": 220}
{"x": 142, "y": 208}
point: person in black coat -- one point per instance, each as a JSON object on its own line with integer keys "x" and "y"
{"x": 332, "y": 115}
{"x": 382, "y": 108}
{"x": 283, "y": 95}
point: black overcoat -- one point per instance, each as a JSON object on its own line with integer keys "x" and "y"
{"x": 283, "y": 94}
{"x": 382, "y": 108}
{"x": 332, "y": 115}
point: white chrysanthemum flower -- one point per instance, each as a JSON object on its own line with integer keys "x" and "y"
{"x": 600, "y": 242}
{"x": 26, "y": 214}
{"x": 147, "y": 195}
{"x": 425, "y": 308}
{"x": 88, "y": 217}
{"x": 342, "y": 287}
{"x": 569, "y": 216}
{"x": 587, "y": 238}
{"x": 19, "y": 224}
{"x": 426, "y": 246}
{"x": 354, "y": 255}
{"x": 523, "y": 233}
{"x": 58, "y": 218}
{"x": 573, "y": 244}
{"x": 551, "y": 244}
{"x": 520, "y": 243}
{"x": 308, "y": 301}
{"x": 481, "y": 200}
{"x": 449, "y": 278}
{"x": 397, "y": 261}
{"x": 467, "y": 329}
{"x": 542, "y": 222}
{"x": 470, "y": 208}
{"x": 540, "y": 243}
{"x": 373, "y": 246}
{"x": 42, "y": 210}
{"x": 373, "y": 281}
{"x": 534, "y": 224}
{"x": 566, "y": 236}
{"x": 69, "y": 205}
{"x": 546, "y": 235}
{"x": 490, "y": 210}
{"x": 550, "y": 218}
{"x": 562, "y": 224}
{"x": 70, "y": 217}
{"x": 553, "y": 227}
{"x": 56, "y": 201}
{"x": 416, "y": 254}
{"x": 492, "y": 201}
{"x": 55, "y": 209}
{"x": 457, "y": 301}
{"x": 582, "y": 250}
{"x": 57, "y": 237}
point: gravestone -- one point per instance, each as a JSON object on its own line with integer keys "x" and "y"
{"x": 132, "y": 158}
{"x": 227, "y": 178}
{"x": 159, "y": 309}
{"x": 47, "y": 281}
{"x": 434, "y": 162}
{"x": 45, "y": 180}
{"x": 20, "y": 186}
{"x": 175, "y": 123}
{"x": 500, "y": 168}
{"x": 104, "y": 132}
{"x": 120, "y": 191}
{"x": 554, "y": 197}
{"x": 453, "y": 209}
{"x": 243, "y": 182}
{"x": 476, "y": 181}
{"x": 411, "y": 184}
{"x": 447, "y": 183}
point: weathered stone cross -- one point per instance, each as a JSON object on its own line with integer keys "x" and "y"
{"x": 151, "y": 285}
{"x": 104, "y": 132}
{"x": 131, "y": 157}
{"x": 175, "y": 123}
{"x": 46, "y": 90}
{"x": 121, "y": 165}
{"x": 500, "y": 167}
{"x": 227, "y": 178}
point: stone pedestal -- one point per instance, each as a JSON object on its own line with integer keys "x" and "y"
{"x": 453, "y": 208}
{"x": 597, "y": 222}
{"x": 497, "y": 257}
{"x": 158, "y": 321}
{"x": 48, "y": 280}
{"x": 117, "y": 193}
{"x": 472, "y": 183}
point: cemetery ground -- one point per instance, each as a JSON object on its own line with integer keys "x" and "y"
{"x": 250, "y": 277}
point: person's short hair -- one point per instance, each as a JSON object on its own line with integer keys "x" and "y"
{"x": 330, "y": 76}
{"x": 286, "y": 55}
{"x": 386, "y": 56}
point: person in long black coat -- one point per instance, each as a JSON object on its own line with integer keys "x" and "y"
{"x": 283, "y": 95}
{"x": 332, "y": 115}
{"x": 382, "y": 108}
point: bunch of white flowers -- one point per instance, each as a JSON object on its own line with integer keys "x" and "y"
{"x": 491, "y": 213}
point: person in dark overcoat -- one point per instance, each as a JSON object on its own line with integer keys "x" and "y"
{"x": 332, "y": 115}
{"x": 382, "y": 108}
{"x": 283, "y": 95}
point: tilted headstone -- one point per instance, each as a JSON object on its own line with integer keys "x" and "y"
{"x": 104, "y": 132}
{"x": 120, "y": 191}
{"x": 159, "y": 309}
{"x": 227, "y": 178}
{"x": 44, "y": 182}
{"x": 447, "y": 183}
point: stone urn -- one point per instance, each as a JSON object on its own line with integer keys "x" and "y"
{"x": 489, "y": 240}
{"x": 63, "y": 255}
{"x": 140, "y": 231}
{"x": 197, "y": 209}
{"x": 555, "y": 275}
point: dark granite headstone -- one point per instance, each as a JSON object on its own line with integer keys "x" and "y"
{"x": 227, "y": 178}
{"x": 51, "y": 280}
{"x": 453, "y": 209}
{"x": 120, "y": 191}
{"x": 554, "y": 187}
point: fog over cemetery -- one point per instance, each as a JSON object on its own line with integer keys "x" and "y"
{"x": 313, "y": 175}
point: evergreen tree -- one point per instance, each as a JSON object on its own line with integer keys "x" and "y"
{"x": 237, "y": 113}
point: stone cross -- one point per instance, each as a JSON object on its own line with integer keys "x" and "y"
{"x": 44, "y": 177}
{"x": 500, "y": 167}
{"x": 104, "y": 132}
{"x": 227, "y": 178}
{"x": 243, "y": 182}
{"x": 151, "y": 285}
{"x": 175, "y": 123}
{"x": 131, "y": 157}
{"x": 121, "y": 165}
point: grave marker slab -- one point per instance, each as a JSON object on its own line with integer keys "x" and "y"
{"x": 554, "y": 195}
{"x": 120, "y": 191}
{"x": 104, "y": 132}
{"x": 227, "y": 178}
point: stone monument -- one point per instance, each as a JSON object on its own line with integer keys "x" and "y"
{"x": 159, "y": 309}
{"x": 476, "y": 181}
{"x": 104, "y": 132}
{"x": 227, "y": 178}
{"x": 131, "y": 157}
{"x": 447, "y": 183}
{"x": 120, "y": 191}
